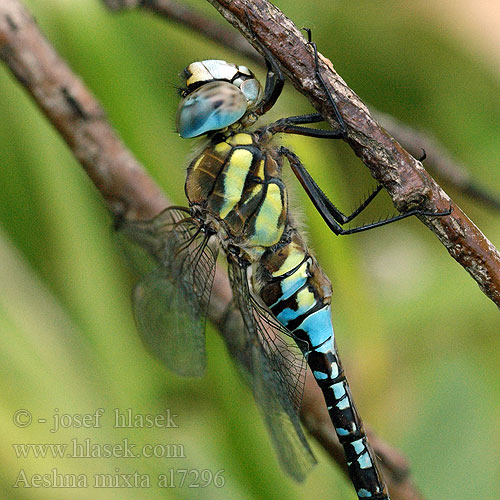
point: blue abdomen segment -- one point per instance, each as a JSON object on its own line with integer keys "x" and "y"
{"x": 298, "y": 293}
{"x": 317, "y": 327}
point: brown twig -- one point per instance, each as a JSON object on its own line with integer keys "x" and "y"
{"x": 438, "y": 159}
{"x": 404, "y": 177}
{"x": 122, "y": 181}
{"x": 74, "y": 112}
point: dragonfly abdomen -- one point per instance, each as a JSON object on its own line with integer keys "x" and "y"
{"x": 298, "y": 293}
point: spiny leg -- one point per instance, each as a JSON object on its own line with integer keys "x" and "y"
{"x": 331, "y": 214}
{"x": 338, "y": 116}
{"x": 274, "y": 86}
{"x": 274, "y": 78}
{"x": 291, "y": 125}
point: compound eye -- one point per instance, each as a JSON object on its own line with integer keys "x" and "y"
{"x": 213, "y": 106}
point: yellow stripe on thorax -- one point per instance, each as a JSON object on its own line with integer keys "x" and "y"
{"x": 236, "y": 171}
{"x": 253, "y": 192}
{"x": 260, "y": 170}
{"x": 267, "y": 230}
{"x": 222, "y": 148}
{"x": 198, "y": 161}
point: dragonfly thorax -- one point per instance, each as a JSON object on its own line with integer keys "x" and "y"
{"x": 218, "y": 95}
{"x": 237, "y": 181}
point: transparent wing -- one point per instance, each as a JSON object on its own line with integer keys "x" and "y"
{"x": 170, "y": 303}
{"x": 275, "y": 369}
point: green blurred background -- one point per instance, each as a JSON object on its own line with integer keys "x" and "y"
{"x": 418, "y": 338}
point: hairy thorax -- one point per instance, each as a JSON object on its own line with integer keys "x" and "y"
{"x": 236, "y": 182}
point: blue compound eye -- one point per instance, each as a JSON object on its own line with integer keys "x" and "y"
{"x": 213, "y": 106}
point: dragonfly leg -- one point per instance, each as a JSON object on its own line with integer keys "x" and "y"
{"x": 317, "y": 72}
{"x": 331, "y": 214}
{"x": 273, "y": 89}
{"x": 274, "y": 78}
{"x": 292, "y": 125}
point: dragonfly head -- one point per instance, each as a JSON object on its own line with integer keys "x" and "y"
{"x": 217, "y": 95}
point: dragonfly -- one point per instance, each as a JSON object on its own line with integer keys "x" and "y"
{"x": 238, "y": 205}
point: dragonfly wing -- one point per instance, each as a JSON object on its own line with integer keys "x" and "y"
{"x": 275, "y": 369}
{"x": 170, "y": 303}
{"x": 169, "y": 325}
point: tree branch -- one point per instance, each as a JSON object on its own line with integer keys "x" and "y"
{"x": 125, "y": 186}
{"x": 439, "y": 159}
